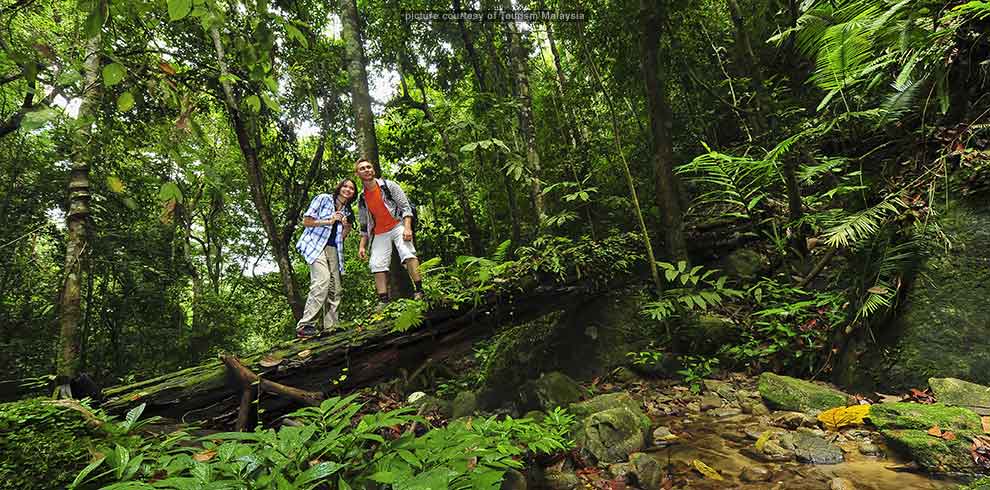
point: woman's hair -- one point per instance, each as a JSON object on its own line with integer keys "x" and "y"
{"x": 336, "y": 192}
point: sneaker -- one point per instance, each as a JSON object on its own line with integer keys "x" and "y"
{"x": 419, "y": 296}
{"x": 306, "y": 331}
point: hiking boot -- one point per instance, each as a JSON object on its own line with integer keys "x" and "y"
{"x": 306, "y": 331}
{"x": 419, "y": 296}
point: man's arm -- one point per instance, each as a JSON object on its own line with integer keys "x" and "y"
{"x": 401, "y": 201}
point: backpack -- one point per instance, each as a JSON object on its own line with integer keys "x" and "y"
{"x": 415, "y": 215}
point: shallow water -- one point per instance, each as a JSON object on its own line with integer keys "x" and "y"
{"x": 721, "y": 443}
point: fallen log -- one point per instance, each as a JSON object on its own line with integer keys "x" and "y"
{"x": 302, "y": 372}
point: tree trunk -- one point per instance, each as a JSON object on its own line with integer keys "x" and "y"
{"x": 364, "y": 119}
{"x": 518, "y": 67}
{"x": 450, "y": 156}
{"x": 747, "y": 60}
{"x": 256, "y": 181}
{"x": 667, "y": 186}
{"x": 77, "y": 222}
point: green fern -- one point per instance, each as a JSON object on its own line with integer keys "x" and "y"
{"x": 862, "y": 225}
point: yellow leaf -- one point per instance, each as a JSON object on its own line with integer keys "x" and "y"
{"x": 838, "y": 417}
{"x": 762, "y": 441}
{"x": 706, "y": 470}
{"x": 115, "y": 184}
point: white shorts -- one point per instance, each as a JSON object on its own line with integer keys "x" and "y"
{"x": 381, "y": 249}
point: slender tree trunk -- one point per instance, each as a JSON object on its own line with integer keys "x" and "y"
{"x": 77, "y": 222}
{"x": 364, "y": 119}
{"x": 256, "y": 181}
{"x": 747, "y": 59}
{"x": 667, "y": 186}
{"x": 630, "y": 183}
{"x": 519, "y": 69}
{"x": 450, "y": 156}
{"x": 794, "y": 205}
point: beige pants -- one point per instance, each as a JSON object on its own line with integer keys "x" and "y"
{"x": 324, "y": 290}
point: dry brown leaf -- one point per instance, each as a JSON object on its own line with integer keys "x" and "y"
{"x": 167, "y": 68}
{"x": 304, "y": 354}
{"x": 204, "y": 456}
{"x": 838, "y": 417}
{"x": 270, "y": 361}
{"x": 949, "y": 436}
{"x": 935, "y": 431}
{"x": 986, "y": 424}
{"x": 877, "y": 290}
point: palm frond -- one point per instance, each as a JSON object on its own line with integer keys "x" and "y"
{"x": 862, "y": 225}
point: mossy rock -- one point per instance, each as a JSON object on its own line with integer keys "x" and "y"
{"x": 797, "y": 395}
{"x": 959, "y": 393}
{"x": 744, "y": 264}
{"x": 612, "y": 435}
{"x": 464, "y": 404}
{"x": 43, "y": 445}
{"x": 934, "y": 454}
{"x": 923, "y": 417}
{"x": 943, "y": 325}
{"x": 601, "y": 403}
{"x": 706, "y": 334}
{"x": 550, "y": 391}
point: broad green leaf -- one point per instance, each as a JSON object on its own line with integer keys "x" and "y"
{"x": 125, "y": 102}
{"x": 170, "y": 191}
{"x": 135, "y": 413}
{"x": 115, "y": 184}
{"x": 318, "y": 472}
{"x": 253, "y": 103}
{"x": 36, "y": 119}
{"x": 270, "y": 102}
{"x": 295, "y": 33}
{"x": 113, "y": 74}
{"x": 469, "y": 147}
{"x": 86, "y": 471}
{"x": 384, "y": 477}
{"x": 179, "y": 9}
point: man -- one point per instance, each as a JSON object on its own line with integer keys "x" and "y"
{"x": 385, "y": 218}
{"x": 326, "y": 224}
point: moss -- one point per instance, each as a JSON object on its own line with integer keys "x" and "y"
{"x": 551, "y": 390}
{"x": 786, "y": 393}
{"x": 923, "y": 417}
{"x": 956, "y": 392}
{"x": 611, "y": 435}
{"x": 978, "y": 484}
{"x": 43, "y": 445}
{"x": 932, "y": 453}
{"x": 609, "y": 401}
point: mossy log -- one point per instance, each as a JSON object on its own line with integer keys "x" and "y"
{"x": 212, "y": 391}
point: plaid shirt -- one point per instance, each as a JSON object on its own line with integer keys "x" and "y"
{"x": 314, "y": 238}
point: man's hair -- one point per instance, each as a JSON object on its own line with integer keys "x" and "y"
{"x": 359, "y": 160}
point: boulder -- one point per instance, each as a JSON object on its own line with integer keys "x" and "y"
{"x": 561, "y": 480}
{"x": 550, "y": 391}
{"x": 792, "y": 394}
{"x": 959, "y": 393}
{"x": 610, "y": 436}
{"x": 646, "y": 470}
{"x": 464, "y": 404}
{"x": 905, "y": 427}
{"x": 609, "y": 401}
{"x": 810, "y": 448}
{"x": 943, "y": 326}
{"x": 745, "y": 264}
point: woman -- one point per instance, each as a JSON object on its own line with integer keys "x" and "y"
{"x": 326, "y": 223}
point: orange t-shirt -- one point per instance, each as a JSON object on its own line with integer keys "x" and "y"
{"x": 376, "y": 205}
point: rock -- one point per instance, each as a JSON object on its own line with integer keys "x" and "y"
{"x": 757, "y": 408}
{"x": 815, "y": 431}
{"x": 720, "y": 388}
{"x": 662, "y": 436}
{"x": 709, "y": 402}
{"x": 705, "y": 334}
{"x": 933, "y": 454}
{"x": 959, "y": 393}
{"x": 793, "y": 420}
{"x": 943, "y": 325}
{"x": 623, "y": 374}
{"x": 787, "y": 393}
{"x": 772, "y": 453}
{"x": 725, "y": 412}
{"x": 809, "y": 448}
{"x": 646, "y": 470}
{"x": 754, "y": 474}
{"x": 611, "y": 435}
{"x": 608, "y": 401}
{"x": 905, "y": 415}
{"x": 869, "y": 449}
{"x": 432, "y": 404}
{"x": 841, "y": 484}
{"x": 621, "y": 471}
{"x": 744, "y": 263}
{"x": 905, "y": 427}
{"x": 513, "y": 480}
{"x": 464, "y": 404}
{"x": 551, "y": 390}
{"x": 561, "y": 480}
